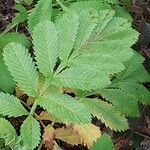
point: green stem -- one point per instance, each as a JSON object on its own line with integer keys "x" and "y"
{"x": 8, "y": 29}
{"x": 62, "y": 5}
{"x": 33, "y": 108}
{"x": 45, "y": 86}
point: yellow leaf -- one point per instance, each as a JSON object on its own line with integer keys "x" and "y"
{"x": 88, "y": 133}
{"x": 30, "y": 101}
{"x": 19, "y": 92}
{"x": 48, "y": 137}
{"x": 44, "y": 115}
{"x": 68, "y": 135}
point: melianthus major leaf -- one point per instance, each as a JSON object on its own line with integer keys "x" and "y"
{"x": 30, "y": 133}
{"x": 106, "y": 113}
{"x": 11, "y": 106}
{"x": 22, "y": 68}
{"x": 65, "y": 108}
{"x": 41, "y": 12}
{"x": 45, "y": 47}
{"x": 9, "y": 134}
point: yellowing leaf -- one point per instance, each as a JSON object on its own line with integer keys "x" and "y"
{"x": 68, "y": 135}
{"x": 78, "y": 134}
{"x": 88, "y": 133}
{"x": 44, "y": 115}
{"x": 48, "y": 137}
{"x": 30, "y": 101}
{"x": 19, "y": 92}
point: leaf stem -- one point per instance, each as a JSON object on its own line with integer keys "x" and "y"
{"x": 33, "y": 108}
{"x": 62, "y": 5}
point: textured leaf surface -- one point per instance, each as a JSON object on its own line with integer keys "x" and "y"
{"x": 48, "y": 137}
{"x": 11, "y": 106}
{"x": 8, "y": 133}
{"x": 46, "y": 47}
{"x": 83, "y": 78}
{"x": 6, "y": 83}
{"x": 88, "y": 133}
{"x": 60, "y": 105}
{"x": 95, "y": 4}
{"x": 112, "y": 1}
{"x": 104, "y": 142}
{"x": 88, "y": 22}
{"x": 106, "y": 113}
{"x": 22, "y": 68}
{"x": 124, "y": 102}
{"x": 41, "y": 12}
{"x": 30, "y": 132}
{"x": 68, "y": 135}
{"x": 129, "y": 79}
{"x": 67, "y": 28}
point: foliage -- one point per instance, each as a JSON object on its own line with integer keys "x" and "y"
{"x": 103, "y": 143}
{"x": 6, "y": 83}
{"x": 86, "y": 50}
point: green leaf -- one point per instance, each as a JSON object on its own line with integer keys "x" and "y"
{"x": 46, "y": 47}
{"x": 103, "y": 143}
{"x": 28, "y": 2}
{"x": 121, "y": 12}
{"x": 102, "y": 62}
{"x": 112, "y": 1}
{"x": 8, "y": 132}
{"x": 67, "y": 27}
{"x": 30, "y": 133}
{"x": 95, "y": 4}
{"x": 107, "y": 113}
{"x": 130, "y": 79}
{"x": 65, "y": 108}
{"x": 88, "y": 22}
{"x": 6, "y": 83}
{"x": 11, "y": 106}
{"x": 83, "y": 78}
{"x": 123, "y": 101}
{"x": 22, "y": 68}
{"x": 13, "y": 37}
{"x": 41, "y": 12}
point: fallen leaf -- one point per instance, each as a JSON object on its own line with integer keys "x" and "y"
{"x": 48, "y": 137}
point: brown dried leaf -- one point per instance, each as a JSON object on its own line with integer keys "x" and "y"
{"x": 48, "y": 137}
